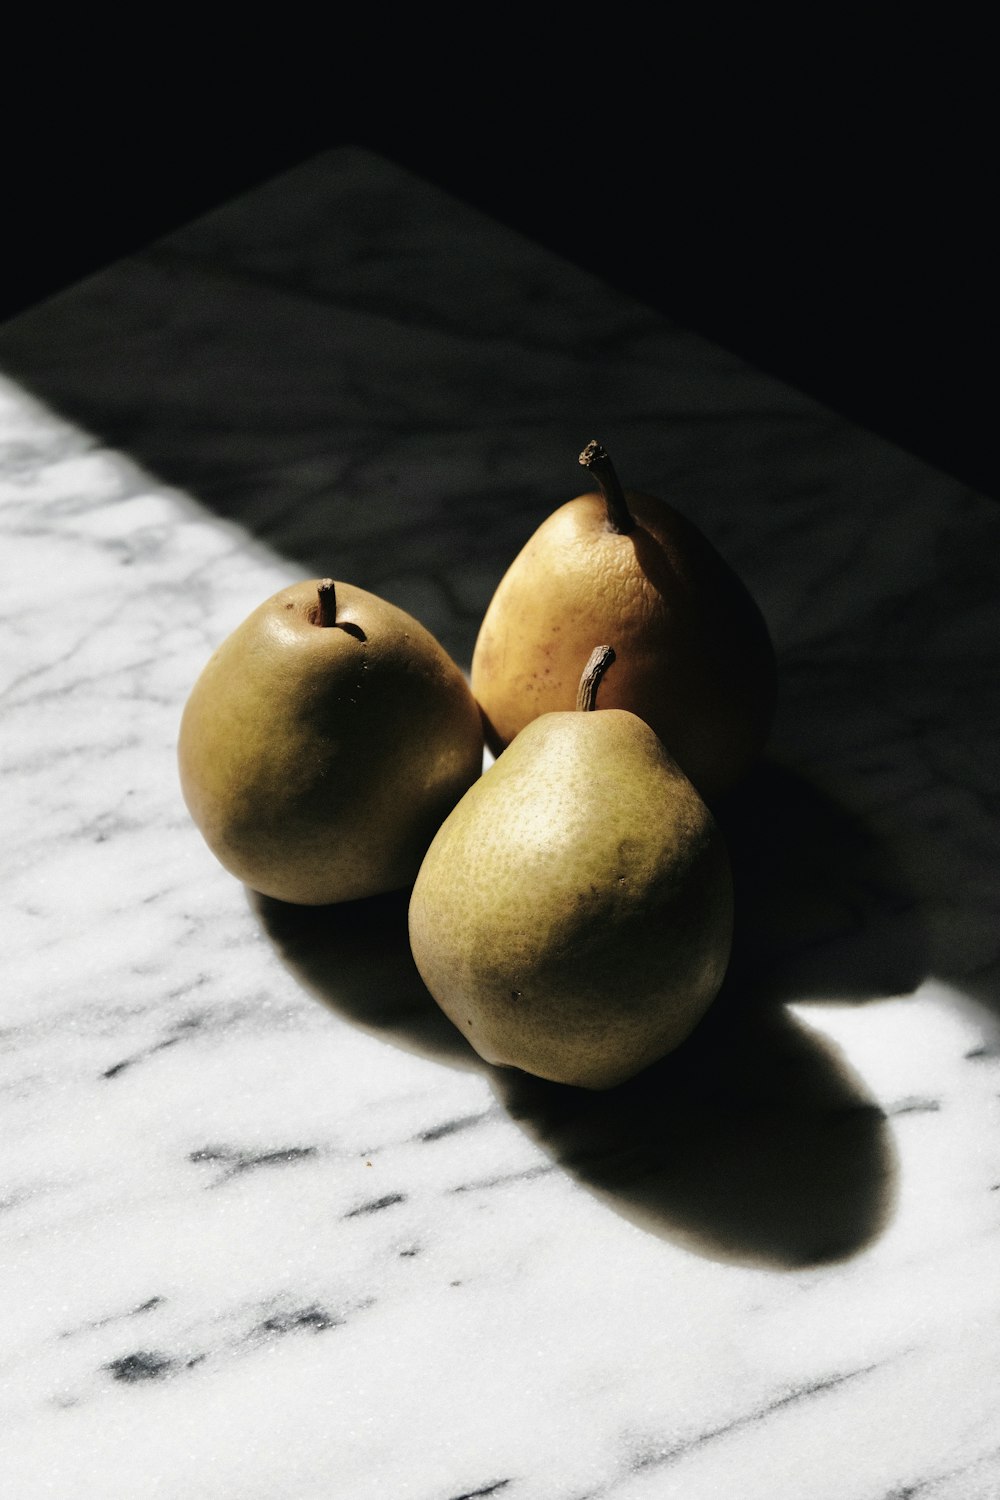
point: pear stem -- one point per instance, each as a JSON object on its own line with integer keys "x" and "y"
{"x": 598, "y": 663}
{"x": 327, "y": 602}
{"x": 595, "y": 458}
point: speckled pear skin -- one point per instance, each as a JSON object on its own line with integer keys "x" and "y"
{"x": 695, "y": 659}
{"x": 573, "y": 915}
{"x": 318, "y": 761}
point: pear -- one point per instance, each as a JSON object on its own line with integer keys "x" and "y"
{"x": 696, "y": 660}
{"x": 323, "y": 744}
{"x": 573, "y": 914}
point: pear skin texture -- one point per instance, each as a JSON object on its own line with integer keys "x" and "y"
{"x": 573, "y": 915}
{"x": 318, "y": 761}
{"x": 695, "y": 660}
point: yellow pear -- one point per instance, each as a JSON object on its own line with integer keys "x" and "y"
{"x": 573, "y": 914}
{"x": 323, "y": 744}
{"x": 695, "y": 657}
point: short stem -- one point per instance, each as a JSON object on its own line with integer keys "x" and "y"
{"x": 327, "y": 602}
{"x": 586, "y": 694}
{"x": 595, "y": 458}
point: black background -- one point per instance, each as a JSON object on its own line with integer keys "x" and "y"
{"x": 821, "y": 204}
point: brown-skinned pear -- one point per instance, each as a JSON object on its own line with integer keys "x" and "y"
{"x": 695, "y": 657}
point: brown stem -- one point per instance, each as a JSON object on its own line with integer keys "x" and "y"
{"x": 327, "y": 602}
{"x": 595, "y": 458}
{"x": 598, "y": 663}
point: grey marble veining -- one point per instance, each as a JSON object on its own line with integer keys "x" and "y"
{"x": 267, "y": 1227}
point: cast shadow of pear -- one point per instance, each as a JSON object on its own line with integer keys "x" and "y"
{"x": 823, "y": 911}
{"x": 356, "y": 958}
{"x": 754, "y": 1142}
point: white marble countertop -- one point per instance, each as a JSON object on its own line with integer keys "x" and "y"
{"x": 268, "y": 1229}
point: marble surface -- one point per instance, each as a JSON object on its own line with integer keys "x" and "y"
{"x": 268, "y": 1229}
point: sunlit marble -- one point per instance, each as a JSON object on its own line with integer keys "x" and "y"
{"x": 268, "y": 1229}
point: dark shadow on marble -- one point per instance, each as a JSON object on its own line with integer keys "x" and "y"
{"x": 356, "y": 959}
{"x": 823, "y": 909}
{"x": 754, "y": 1142}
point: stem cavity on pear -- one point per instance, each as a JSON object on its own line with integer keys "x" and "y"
{"x": 326, "y": 613}
{"x": 327, "y": 602}
{"x": 598, "y": 663}
{"x": 595, "y": 458}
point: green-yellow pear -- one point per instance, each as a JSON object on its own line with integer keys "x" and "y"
{"x": 695, "y": 657}
{"x": 573, "y": 914}
{"x": 323, "y": 744}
